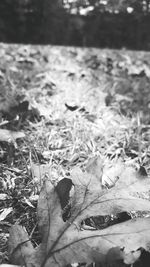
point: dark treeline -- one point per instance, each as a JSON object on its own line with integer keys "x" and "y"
{"x": 118, "y": 31}
{"x": 34, "y": 22}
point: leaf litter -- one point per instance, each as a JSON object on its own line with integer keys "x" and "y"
{"x": 72, "y": 131}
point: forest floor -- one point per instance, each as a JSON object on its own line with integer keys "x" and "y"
{"x": 66, "y": 106}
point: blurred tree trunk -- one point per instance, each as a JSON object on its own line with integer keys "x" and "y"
{"x": 52, "y": 20}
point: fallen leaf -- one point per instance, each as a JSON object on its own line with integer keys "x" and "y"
{"x": 71, "y": 107}
{"x": 65, "y": 242}
{"x": 95, "y": 167}
{"x": 20, "y": 246}
{"x": 10, "y": 136}
{"x": 112, "y": 172}
{"x": 132, "y": 257}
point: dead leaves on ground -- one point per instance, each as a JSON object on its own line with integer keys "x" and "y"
{"x": 89, "y": 79}
{"x": 65, "y": 242}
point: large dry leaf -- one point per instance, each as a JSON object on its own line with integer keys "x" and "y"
{"x": 95, "y": 167}
{"x": 20, "y": 246}
{"x": 130, "y": 193}
{"x": 74, "y": 245}
{"x": 49, "y": 214}
{"x": 111, "y": 172}
{"x": 66, "y": 242}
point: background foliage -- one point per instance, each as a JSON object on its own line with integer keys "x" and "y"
{"x": 100, "y": 23}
